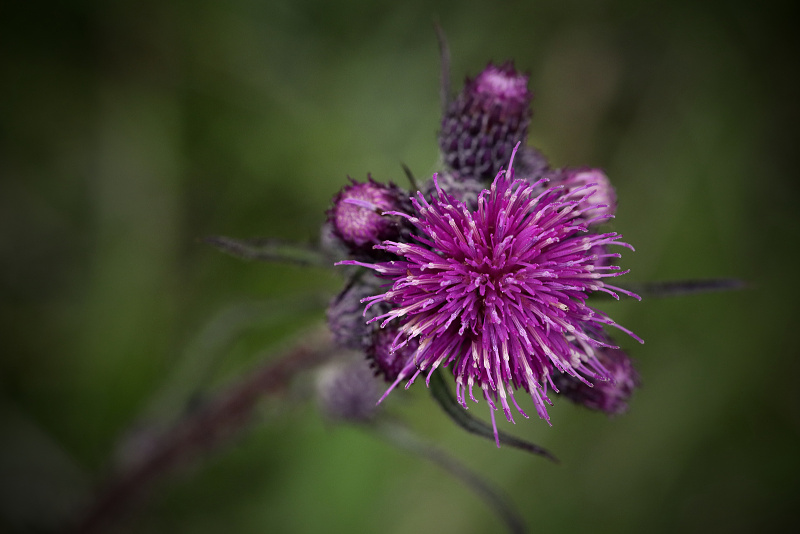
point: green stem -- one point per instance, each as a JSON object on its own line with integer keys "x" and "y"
{"x": 404, "y": 439}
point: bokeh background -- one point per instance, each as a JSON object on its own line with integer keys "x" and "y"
{"x": 128, "y": 130}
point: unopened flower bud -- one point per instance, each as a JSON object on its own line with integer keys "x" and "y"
{"x": 599, "y": 201}
{"x": 385, "y": 358}
{"x": 610, "y": 395}
{"x": 348, "y": 391}
{"x": 346, "y": 318}
{"x": 484, "y": 123}
{"x": 357, "y": 214}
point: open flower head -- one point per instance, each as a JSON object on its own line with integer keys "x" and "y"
{"x": 499, "y": 294}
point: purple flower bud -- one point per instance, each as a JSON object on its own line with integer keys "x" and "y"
{"x": 346, "y": 318}
{"x": 531, "y": 165}
{"x": 484, "y": 123}
{"x": 348, "y": 391}
{"x": 601, "y": 193}
{"x": 356, "y": 215}
{"x": 609, "y": 394}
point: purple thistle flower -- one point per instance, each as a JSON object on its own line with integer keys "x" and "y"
{"x": 499, "y": 294}
{"x": 483, "y": 124}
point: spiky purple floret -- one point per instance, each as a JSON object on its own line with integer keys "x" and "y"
{"x": 499, "y": 294}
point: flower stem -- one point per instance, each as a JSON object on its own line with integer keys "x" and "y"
{"x": 403, "y": 438}
{"x": 461, "y": 417}
{"x": 201, "y": 430}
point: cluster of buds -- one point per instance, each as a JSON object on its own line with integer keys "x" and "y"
{"x": 486, "y": 270}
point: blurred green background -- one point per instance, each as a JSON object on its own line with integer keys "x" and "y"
{"x": 130, "y": 129}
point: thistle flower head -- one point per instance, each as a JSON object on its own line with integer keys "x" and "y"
{"x": 498, "y": 294}
{"x": 483, "y": 124}
{"x": 356, "y": 214}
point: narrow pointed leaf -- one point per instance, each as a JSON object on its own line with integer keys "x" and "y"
{"x": 679, "y": 288}
{"x": 411, "y": 179}
{"x": 269, "y": 250}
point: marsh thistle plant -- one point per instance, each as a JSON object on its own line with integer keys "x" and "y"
{"x": 487, "y": 271}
